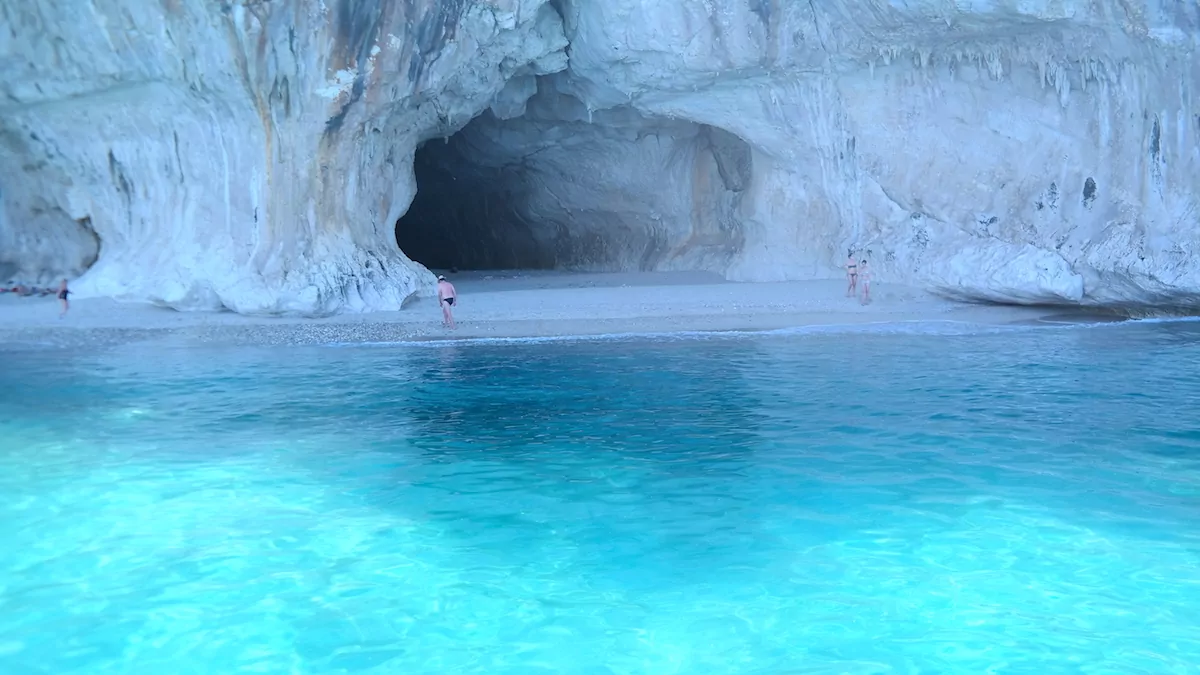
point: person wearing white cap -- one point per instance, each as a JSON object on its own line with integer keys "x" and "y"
{"x": 446, "y": 298}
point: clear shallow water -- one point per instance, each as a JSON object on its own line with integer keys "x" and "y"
{"x": 1010, "y": 502}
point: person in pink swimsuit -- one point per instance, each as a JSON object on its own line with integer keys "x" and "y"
{"x": 864, "y": 277}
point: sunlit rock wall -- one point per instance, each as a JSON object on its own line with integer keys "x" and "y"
{"x": 1015, "y": 151}
{"x": 244, "y": 155}
{"x": 255, "y": 155}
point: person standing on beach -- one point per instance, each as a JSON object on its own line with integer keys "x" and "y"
{"x": 851, "y": 274}
{"x": 446, "y": 299}
{"x": 63, "y": 292}
{"x": 865, "y": 275}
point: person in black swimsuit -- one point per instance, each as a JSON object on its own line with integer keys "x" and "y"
{"x": 446, "y": 297}
{"x": 63, "y": 292}
{"x": 851, "y": 274}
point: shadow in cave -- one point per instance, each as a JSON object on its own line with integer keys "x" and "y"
{"x": 467, "y": 213}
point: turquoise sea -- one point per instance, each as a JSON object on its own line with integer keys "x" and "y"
{"x": 923, "y": 498}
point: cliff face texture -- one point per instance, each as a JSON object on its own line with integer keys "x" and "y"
{"x": 256, "y": 155}
{"x": 249, "y": 155}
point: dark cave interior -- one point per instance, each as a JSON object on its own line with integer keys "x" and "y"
{"x": 467, "y": 215}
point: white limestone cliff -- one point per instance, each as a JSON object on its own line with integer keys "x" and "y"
{"x": 1027, "y": 152}
{"x": 254, "y": 155}
{"x": 245, "y": 155}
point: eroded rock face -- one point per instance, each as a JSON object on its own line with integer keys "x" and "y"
{"x": 256, "y": 157}
{"x": 243, "y": 155}
{"x": 1028, "y": 152}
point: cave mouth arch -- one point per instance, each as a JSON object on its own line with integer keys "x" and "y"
{"x": 552, "y": 190}
{"x": 468, "y": 214}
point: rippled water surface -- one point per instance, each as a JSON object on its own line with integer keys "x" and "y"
{"x": 1011, "y": 502}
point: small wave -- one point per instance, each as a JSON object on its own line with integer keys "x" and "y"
{"x": 932, "y": 327}
{"x": 1166, "y": 319}
{"x": 538, "y": 339}
{"x": 943, "y": 327}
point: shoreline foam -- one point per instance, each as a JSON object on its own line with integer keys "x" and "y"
{"x": 877, "y": 328}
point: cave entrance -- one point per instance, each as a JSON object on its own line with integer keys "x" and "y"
{"x": 468, "y": 212}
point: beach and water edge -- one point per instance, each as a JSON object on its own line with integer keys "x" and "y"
{"x": 530, "y": 306}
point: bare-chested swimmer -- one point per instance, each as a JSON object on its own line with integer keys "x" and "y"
{"x": 446, "y": 298}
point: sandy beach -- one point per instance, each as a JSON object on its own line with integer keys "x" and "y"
{"x": 514, "y": 304}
